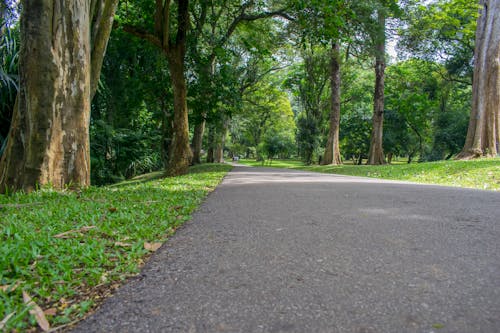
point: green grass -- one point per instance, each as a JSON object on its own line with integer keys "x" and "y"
{"x": 70, "y": 273}
{"x": 481, "y": 174}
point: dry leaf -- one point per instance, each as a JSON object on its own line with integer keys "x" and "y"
{"x": 10, "y": 288}
{"x": 152, "y": 246}
{"x": 123, "y": 244}
{"x": 50, "y": 312}
{"x": 5, "y": 320}
{"x": 177, "y": 207}
{"x": 82, "y": 229}
{"x": 36, "y": 311}
{"x": 112, "y": 209}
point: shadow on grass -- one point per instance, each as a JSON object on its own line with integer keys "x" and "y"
{"x": 156, "y": 175}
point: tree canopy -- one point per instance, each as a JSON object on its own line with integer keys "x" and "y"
{"x": 184, "y": 81}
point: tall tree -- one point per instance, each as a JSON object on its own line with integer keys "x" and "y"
{"x": 483, "y": 135}
{"x": 376, "y": 153}
{"x": 173, "y": 45}
{"x": 62, "y": 48}
{"x": 325, "y": 22}
{"x": 332, "y": 148}
{"x": 216, "y": 22}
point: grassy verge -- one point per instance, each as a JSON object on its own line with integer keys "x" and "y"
{"x": 481, "y": 174}
{"x": 67, "y": 251}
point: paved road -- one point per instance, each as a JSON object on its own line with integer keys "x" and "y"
{"x": 275, "y": 250}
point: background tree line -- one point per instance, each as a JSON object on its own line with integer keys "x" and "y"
{"x": 186, "y": 81}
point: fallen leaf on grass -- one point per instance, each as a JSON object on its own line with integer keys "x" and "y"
{"x": 152, "y": 246}
{"x": 10, "y": 288}
{"x": 5, "y": 320}
{"x": 82, "y": 229}
{"x": 37, "y": 312}
{"x": 177, "y": 207}
{"x": 50, "y": 312}
{"x": 112, "y": 209}
{"x": 123, "y": 244}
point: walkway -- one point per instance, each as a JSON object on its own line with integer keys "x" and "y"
{"x": 274, "y": 250}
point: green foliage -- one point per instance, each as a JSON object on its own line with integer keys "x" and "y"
{"x": 265, "y": 123}
{"x": 322, "y": 21}
{"x": 9, "y": 78}
{"x": 450, "y": 124}
{"x": 65, "y": 248}
{"x": 442, "y": 30}
{"x": 412, "y": 99}
{"x": 356, "y": 111}
{"x": 309, "y": 80}
{"x": 307, "y": 138}
{"x": 278, "y": 144}
{"x": 355, "y": 129}
{"x": 128, "y": 111}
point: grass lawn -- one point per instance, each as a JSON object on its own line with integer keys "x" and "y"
{"x": 481, "y": 174}
{"x": 67, "y": 251}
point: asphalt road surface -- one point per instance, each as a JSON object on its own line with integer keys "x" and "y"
{"x": 275, "y": 250}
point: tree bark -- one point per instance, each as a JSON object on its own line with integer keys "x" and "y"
{"x": 483, "y": 134}
{"x": 211, "y": 144}
{"x": 332, "y": 149}
{"x": 179, "y": 153}
{"x": 376, "y": 153}
{"x": 197, "y": 142}
{"x": 48, "y": 142}
{"x": 221, "y": 142}
{"x": 102, "y": 15}
{"x": 166, "y": 135}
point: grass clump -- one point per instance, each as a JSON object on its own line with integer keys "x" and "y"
{"x": 480, "y": 174}
{"x": 69, "y": 250}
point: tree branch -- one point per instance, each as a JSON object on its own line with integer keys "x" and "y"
{"x": 249, "y": 18}
{"x": 141, "y": 33}
{"x": 165, "y": 29}
{"x": 100, "y": 35}
{"x": 182, "y": 22}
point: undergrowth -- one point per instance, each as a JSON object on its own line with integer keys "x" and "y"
{"x": 70, "y": 250}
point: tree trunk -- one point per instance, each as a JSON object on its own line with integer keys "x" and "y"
{"x": 102, "y": 15}
{"x": 211, "y": 144}
{"x": 483, "y": 134}
{"x": 53, "y": 113}
{"x": 376, "y": 153}
{"x": 332, "y": 150}
{"x": 48, "y": 142}
{"x": 166, "y": 135}
{"x": 389, "y": 158}
{"x": 221, "y": 142}
{"x": 180, "y": 153}
{"x": 197, "y": 142}
{"x": 173, "y": 46}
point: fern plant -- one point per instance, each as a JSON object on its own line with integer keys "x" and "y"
{"x": 9, "y": 78}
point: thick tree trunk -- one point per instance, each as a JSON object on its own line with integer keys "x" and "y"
{"x": 197, "y": 142}
{"x": 376, "y": 153}
{"x": 332, "y": 149}
{"x": 483, "y": 135}
{"x": 48, "y": 142}
{"x": 180, "y": 153}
